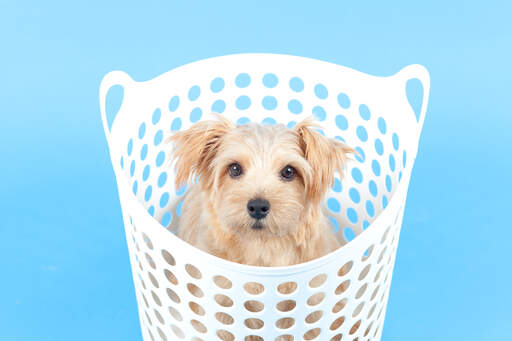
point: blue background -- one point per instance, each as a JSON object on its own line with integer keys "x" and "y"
{"x": 64, "y": 267}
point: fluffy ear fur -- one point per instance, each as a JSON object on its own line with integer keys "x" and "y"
{"x": 195, "y": 148}
{"x": 324, "y": 155}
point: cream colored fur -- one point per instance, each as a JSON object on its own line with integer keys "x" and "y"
{"x": 214, "y": 214}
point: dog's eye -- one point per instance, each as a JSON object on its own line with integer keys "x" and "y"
{"x": 234, "y": 170}
{"x": 288, "y": 173}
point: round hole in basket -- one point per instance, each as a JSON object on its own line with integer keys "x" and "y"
{"x": 314, "y": 316}
{"x": 287, "y": 288}
{"x": 223, "y": 300}
{"x": 222, "y": 282}
{"x": 315, "y": 299}
{"x": 224, "y": 318}
{"x": 254, "y": 323}
{"x": 254, "y": 306}
{"x": 225, "y": 335}
{"x": 286, "y": 305}
{"x": 285, "y": 322}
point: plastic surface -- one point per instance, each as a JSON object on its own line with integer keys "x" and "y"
{"x": 371, "y": 114}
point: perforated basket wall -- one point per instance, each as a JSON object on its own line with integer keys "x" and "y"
{"x": 178, "y": 289}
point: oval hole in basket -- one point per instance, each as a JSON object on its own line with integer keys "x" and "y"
{"x": 194, "y": 290}
{"x": 375, "y": 293}
{"x": 285, "y": 337}
{"x": 254, "y": 338}
{"x": 177, "y": 331}
{"x": 345, "y": 268}
{"x": 159, "y": 317}
{"x": 150, "y": 260}
{"x": 287, "y": 288}
{"x": 368, "y": 329}
{"x": 196, "y": 308}
{"x": 224, "y": 335}
{"x": 364, "y": 272}
{"x": 355, "y": 327}
{"x": 175, "y": 314}
{"x": 285, "y": 322}
{"x": 254, "y": 306}
{"x": 168, "y": 258}
{"x": 153, "y": 280}
{"x": 253, "y": 323}
{"x": 254, "y": 288}
{"x": 339, "y": 305}
{"x": 337, "y": 337}
{"x": 148, "y": 242}
{"x": 318, "y": 281}
{"x": 193, "y": 271}
{"x": 314, "y": 316}
{"x": 337, "y": 323}
{"x": 170, "y": 277}
{"x": 367, "y": 254}
{"x": 222, "y": 282}
{"x": 156, "y": 299}
{"x": 162, "y": 334}
{"x": 224, "y": 318}
{"x": 173, "y": 296}
{"x": 358, "y": 309}
{"x": 342, "y": 287}
{"x": 223, "y": 300}
{"x": 198, "y": 326}
{"x": 361, "y": 291}
{"x": 414, "y": 91}
{"x": 381, "y": 256}
{"x": 312, "y": 333}
{"x": 113, "y": 102}
{"x": 286, "y": 305}
{"x": 372, "y": 310}
{"x": 315, "y": 299}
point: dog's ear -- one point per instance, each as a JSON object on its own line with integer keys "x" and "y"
{"x": 324, "y": 155}
{"x": 195, "y": 148}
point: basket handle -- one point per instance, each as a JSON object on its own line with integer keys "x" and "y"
{"x": 419, "y": 72}
{"x": 109, "y": 80}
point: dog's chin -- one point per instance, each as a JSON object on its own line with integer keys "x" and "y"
{"x": 257, "y": 225}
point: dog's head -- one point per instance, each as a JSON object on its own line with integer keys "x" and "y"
{"x": 259, "y": 179}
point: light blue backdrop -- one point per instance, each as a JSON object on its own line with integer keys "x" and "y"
{"x": 64, "y": 271}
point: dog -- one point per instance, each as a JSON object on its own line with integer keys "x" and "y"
{"x": 259, "y": 192}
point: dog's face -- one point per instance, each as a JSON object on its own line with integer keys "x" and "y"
{"x": 259, "y": 180}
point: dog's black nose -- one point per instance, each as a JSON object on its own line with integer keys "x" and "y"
{"x": 258, "y": 208}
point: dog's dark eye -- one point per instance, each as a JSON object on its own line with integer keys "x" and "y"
{"x": 234, "y": 170}
{"x": 288, "y": 173}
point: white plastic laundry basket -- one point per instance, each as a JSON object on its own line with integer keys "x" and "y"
{"x": 372, "y": 114}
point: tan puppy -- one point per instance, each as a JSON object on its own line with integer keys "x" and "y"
{"x": 259, "y": 197}
{"x": 260, "y": 192}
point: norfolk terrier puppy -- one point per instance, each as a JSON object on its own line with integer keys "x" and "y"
{"x": 259, "y": 195}
{"x": 260, "y": 190}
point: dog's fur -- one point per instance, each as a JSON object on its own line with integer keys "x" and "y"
{"x": 214, "y": 214}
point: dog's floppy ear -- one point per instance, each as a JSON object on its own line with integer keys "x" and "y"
{"x": 324, "y": 155}
{"x": 195, "y": 148}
